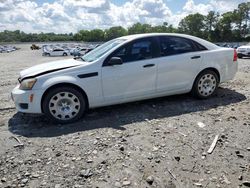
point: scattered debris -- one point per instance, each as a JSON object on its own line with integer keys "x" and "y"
{"x": 225, "y": 180}
{"x": 201, "y": 125}
{"x": 150, "y": 180}
{"x": 240, "y": 177}
{"x": 171, "y": 174}
{"x": 239, "y": 154}
{"x": 198, "y": 184}
{"x": 182, "y": 134}
{"x": 210, "y": 150}
{"x": 126, "y": 183}
{"x": 86, "y": 173}
{"x": 24, "y": 181}
{"x": 20, "y": 144}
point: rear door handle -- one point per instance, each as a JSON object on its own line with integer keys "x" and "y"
{"x": 148, "y": 65}
{"x": 196, "y": 57}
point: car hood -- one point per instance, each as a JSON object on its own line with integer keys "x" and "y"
{"x": 50, "y": 67}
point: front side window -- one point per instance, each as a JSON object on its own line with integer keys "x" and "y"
{"x": 175, "y": 45}
{"x": 142, "y": 50}
{"x": 135, "y": 51}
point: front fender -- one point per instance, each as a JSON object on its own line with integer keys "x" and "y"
{"x": 57, "y": 80}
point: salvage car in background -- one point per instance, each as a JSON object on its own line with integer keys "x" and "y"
{"x": 78, "y": 51}
{"x": 125, "y": 69}
{"x": 243, "y": 51}
{"x": 56, "y": 52}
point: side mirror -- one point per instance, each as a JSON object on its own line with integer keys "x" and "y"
{"x": 115, "y": 61}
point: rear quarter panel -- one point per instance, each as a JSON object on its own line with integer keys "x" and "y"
{"x": 222, "y": 60}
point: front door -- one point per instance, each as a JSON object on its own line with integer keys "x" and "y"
{"x": 133, "y": 79}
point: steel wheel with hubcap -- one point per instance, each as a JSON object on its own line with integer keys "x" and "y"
{"x": 64, "y": 105}
{"x": 205, "y": 84}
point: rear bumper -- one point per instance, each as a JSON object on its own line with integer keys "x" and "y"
{"x": 27, "y": 101}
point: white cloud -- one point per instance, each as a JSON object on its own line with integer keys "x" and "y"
{"x": 225, "y": 5}
{"x": 190, "y": 7}
{"x": 64, "y": 16}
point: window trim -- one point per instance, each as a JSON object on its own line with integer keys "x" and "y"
{"x": 155, "y": 53}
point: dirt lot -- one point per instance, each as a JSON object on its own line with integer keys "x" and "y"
{"x": 153, "y": 143}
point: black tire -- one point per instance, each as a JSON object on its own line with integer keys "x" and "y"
{"x": 65, "y": 54}
{"x": 196, "y": 88}
{"x": 53, "y": 92}
{"x": 240, "y": 56}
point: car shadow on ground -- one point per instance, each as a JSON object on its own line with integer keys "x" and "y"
{"x": 119, "y": 115}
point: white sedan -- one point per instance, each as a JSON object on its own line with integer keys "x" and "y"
{"x": 125, "y": 69}
{"x": 243, "y": 51}
{"x": 56, "y": 52}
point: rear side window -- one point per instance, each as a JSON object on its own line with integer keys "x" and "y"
{"x": 199, "y": 47}
{"x": 178, "y": 45}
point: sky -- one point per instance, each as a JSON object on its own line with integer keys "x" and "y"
{"x": 65, "y": 16}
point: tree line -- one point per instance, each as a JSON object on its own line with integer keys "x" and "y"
{"x": 227, "y": 27}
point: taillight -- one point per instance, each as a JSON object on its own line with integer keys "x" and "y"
{"x": 235, "y": 55}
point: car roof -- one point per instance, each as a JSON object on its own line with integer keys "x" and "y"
{"x": 207, "y": 44}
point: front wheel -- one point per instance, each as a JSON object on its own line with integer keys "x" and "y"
{"x": 64, "y": 105}
{"x": 205, "y": 84}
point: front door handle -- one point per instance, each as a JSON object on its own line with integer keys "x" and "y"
{"x": 196, "y": 57}
{"x": 148, "y": 65}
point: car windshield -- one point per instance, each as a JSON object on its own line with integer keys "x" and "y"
{"x": 101, "y": 50}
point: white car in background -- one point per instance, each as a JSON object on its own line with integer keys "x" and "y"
{"x": 125, "y": 69}
{"x": 243, "y": 51}
{"x": 56, "y": 52}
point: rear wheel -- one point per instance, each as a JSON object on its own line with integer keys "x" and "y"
{"x": 240, "y": 56}
{"x": 205, "y": 84}
{"x": 64, "y": 105}
{"x": 64, "y": 54}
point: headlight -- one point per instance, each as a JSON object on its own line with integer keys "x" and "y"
{"x": 27, "y": 84}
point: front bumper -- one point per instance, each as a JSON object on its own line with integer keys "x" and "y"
{"x": 244, "y": 54}
{"x": 27, "y": 101}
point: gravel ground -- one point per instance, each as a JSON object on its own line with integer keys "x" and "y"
{"x": 155, "y": 143}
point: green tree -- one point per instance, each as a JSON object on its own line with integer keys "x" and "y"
{"x": 193, "y": 24}
{"x": 225, "y": 27}
{"x": 211, "y": 24}
{"x": 115, "y": 32}
{"x": 139, "y": 28}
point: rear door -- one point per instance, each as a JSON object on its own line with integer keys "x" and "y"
{"x": 179, "y": 63}
{"x": 136, "y": 77}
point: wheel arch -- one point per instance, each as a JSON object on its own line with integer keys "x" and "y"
{"x": 211, "y": 69}
{"x": 64, "y": 84}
